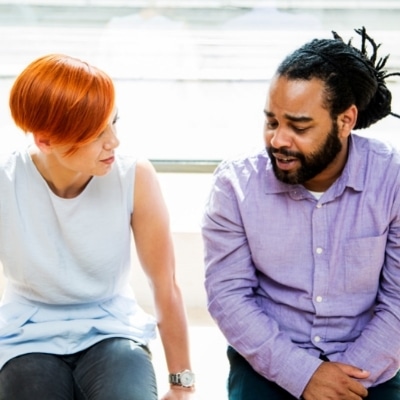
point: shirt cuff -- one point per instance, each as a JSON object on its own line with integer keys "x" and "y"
{"x": 297, "y": 372}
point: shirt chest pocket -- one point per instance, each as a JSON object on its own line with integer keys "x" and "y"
{"x": 364, "y": 259}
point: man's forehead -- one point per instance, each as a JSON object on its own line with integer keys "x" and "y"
{"x": 295, "y": 97}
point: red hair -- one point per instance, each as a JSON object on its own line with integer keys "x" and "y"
{"x": 66, "y": 100}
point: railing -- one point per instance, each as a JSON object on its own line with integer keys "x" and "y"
{"x": 185, "y": 166}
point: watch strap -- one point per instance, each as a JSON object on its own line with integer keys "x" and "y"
{"x": 180, "y": 378}
{"x": 175, "y": 379}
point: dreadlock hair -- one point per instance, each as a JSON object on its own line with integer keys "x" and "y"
{"x": 349, "y": 74}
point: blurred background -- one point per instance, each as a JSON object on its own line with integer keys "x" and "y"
{"x": 191, "y": 79}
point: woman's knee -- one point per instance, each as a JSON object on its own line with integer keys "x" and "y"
{"x": 117, "y": 369}
{"x": 36, "y": 376}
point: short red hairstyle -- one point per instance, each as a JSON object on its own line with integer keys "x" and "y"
{"x": 65, "y": 100}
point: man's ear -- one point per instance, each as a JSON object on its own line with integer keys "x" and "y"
{"x": 42, "y": 143}
{"x": 347, "y": 120}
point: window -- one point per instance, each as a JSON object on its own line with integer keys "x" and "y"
{"x": 191, "y": 75}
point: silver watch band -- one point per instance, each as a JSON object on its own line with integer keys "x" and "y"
{"x": 184, "y": 378}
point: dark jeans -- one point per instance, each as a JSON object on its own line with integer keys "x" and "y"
{"x": 246, "y": 384}
{"x": 117, "y": 369}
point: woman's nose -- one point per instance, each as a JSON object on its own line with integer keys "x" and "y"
{"x": 111, "y": 140}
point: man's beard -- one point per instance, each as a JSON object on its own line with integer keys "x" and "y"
{"x": 311, "y": 165}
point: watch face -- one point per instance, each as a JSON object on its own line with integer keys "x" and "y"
{"x": 187, "y": 378}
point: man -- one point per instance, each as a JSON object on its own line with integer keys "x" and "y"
{"x": 302, "y": 241}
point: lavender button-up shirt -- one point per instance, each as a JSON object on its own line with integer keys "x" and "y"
{"x": 290, "y": 277}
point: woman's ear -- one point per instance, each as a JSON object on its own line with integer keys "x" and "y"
{"x": 42, "y": 143}
{"x": 347, "y": 120}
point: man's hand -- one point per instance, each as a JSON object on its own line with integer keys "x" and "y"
{"x": 336, "y": 381}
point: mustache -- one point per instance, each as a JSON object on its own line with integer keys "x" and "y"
{"x": 284, "y": 152}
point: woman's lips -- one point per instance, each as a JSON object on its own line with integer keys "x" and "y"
{"x": 108, "y": 160}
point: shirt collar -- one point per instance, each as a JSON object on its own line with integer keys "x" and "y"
{"x": 352, "y": 176}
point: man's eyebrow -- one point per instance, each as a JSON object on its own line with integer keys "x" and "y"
{"x": 293, "y": 118}
{"x": 300, "y": 118}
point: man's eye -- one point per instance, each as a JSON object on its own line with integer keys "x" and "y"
{"x": 271, "y": 124}
{"x": 300, "y": 129}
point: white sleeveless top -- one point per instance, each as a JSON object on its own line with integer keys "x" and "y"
{"x": 67, "y": 262}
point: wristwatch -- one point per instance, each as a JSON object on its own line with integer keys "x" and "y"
{"x": 184, "y": 378}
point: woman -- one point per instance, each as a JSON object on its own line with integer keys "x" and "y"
{"x": 70, "y": 327}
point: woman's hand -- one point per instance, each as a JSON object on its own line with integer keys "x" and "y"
{"x": 180, "y": 393}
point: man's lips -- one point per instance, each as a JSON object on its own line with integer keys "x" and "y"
{"x": 285, "y": 162}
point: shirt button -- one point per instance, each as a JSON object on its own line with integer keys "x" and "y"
{"x": 319, "y": 250}
{"x": 319, "y": 205}
{"x": 319, "y": 299}
{"x": 317, "y": 339}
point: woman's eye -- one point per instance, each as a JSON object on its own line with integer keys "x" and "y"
{"x": 116, "y": 118}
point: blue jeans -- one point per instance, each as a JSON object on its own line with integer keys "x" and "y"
{"x": 246, "y": 384}
{"x": 117, "y": 369}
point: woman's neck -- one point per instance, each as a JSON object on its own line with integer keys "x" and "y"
{"x": 63, "y": 182}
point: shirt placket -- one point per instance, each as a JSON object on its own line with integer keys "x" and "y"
{"x": 320, "y": 251}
